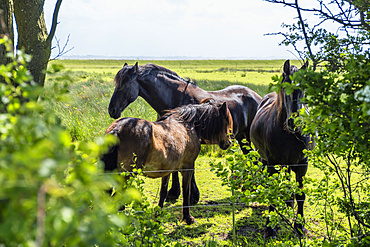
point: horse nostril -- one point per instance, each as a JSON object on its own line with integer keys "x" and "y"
{"x": 112, "y": 112}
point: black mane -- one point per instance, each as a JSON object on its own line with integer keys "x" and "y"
{"x": 151, "y": 68}
{"x": 205, "y": 118}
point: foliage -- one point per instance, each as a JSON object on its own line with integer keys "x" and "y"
{"x": 146, "y": 220}
{"x": 250, "y": 182}
{"x": 52, "y": 189}
{"x": 342, "y": 146}
{"x": 338, "y": 99}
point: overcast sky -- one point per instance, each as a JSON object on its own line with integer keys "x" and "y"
{"x": 170, "y": 28}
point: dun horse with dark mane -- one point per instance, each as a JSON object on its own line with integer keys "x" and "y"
{"x": 278, "y": 141}
{"x": 163, "y": 89}
{"x": 168, "y": 144}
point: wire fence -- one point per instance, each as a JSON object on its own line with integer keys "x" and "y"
{"x": 192, "y": 169}
{"x": 241, "y": 205}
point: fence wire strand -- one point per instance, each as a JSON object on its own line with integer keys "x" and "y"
{"x": 193, "y": 169}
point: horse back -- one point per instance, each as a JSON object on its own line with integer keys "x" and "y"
{"x": 274, "y": 143}
{"x": 242, "y": 103}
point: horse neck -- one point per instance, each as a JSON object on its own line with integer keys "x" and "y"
{"x": 164, "y": 94}
{"x": 282, "y": 112}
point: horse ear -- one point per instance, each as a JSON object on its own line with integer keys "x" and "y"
{"x": 125, "y": 64}
{"x": 136, "y": 66}
{"x": 287, "y": 67}
{"x": 223, "y": 107}
{"x": 305, "y": 65}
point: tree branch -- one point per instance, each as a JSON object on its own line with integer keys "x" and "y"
{"x": 346, "y": 22}
{"x": 312, "y": 57}
{"x": 55, "y": 22}
{"x": 61, "y": 51}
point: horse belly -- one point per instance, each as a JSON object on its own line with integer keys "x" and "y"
{"x": 285, "y": 149}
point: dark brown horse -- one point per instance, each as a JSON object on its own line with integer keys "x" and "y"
{"x": 163, "y": 89}
{"x": 278, "y": 141}
{"x": 171, "y": 143}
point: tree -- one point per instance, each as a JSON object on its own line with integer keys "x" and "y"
{"x": 338, "y": 96}
{"x": 6, "y": 27}
{"x": 32, "y": 32}
{"x": 52, "y": 191}
{"x": 348, "y": 21}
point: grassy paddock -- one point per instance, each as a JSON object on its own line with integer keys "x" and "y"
{"x": 85, "y": 115}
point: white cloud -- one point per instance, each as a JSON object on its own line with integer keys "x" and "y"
{"x": 209, "y": 28}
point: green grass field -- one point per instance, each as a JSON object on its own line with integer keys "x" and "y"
{"x": 85, "y": 115}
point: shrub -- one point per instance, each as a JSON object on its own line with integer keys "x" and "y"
{"x": 53, "y": 192}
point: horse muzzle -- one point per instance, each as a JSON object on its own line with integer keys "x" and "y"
{"x": 224, "y": 145}
{"x": 114, "y": 113}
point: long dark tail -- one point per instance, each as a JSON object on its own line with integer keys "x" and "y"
{"x": 110, "y": 158}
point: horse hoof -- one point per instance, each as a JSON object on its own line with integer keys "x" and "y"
{"x": 194, "y": 200}
{"x": 270, "y": 232}
{"x": 190, "y": 220}
{"x": 172, "y": 195}
{"x": 171, "y": 199}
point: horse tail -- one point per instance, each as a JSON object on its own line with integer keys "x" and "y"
{"x": 110, "y": 158}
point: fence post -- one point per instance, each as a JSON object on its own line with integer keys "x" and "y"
{"x": 233, "y": 206}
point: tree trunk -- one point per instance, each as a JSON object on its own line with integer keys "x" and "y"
{"x": 33, "y": 36}
{"x": 6, "y": 27}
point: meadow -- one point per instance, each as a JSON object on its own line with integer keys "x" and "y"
{"x": 84, "y": 113}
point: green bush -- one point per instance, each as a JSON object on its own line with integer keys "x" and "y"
{"x": 339, "y": 117}
{"x": 53, "y": 190}
{"x": 250, "y": 183}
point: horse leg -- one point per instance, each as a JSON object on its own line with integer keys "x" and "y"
{"x": 194, "y": 192}
{"x": 186, "y": 180}
{"x": 163, "y": 192}
{"x": 174, "y": 193}
{"x": 300, "y": 197}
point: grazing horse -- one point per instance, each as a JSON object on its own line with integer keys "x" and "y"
{"x": 278, "y": 141}
{"x": 163, "y": 89}
{"x": 168, "y": 144}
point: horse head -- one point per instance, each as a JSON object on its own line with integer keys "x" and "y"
{"x": 292, "y": 102}
{"x": 126, "y": 90}
{"x": 227, "y": 132}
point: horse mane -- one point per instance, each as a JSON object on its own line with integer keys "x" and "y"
{"x": 205, "y": 118}
{"x": 150, "y": 68}
{"x": 279, "y": 101}
{"x": 118, "y": 78}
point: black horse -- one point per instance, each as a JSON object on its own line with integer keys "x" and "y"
{"x": 278, "y": 141}
{"x": 163, "y": 89}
